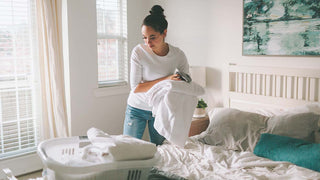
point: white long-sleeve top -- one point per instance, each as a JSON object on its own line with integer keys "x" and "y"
{"x": 147, "y": 66}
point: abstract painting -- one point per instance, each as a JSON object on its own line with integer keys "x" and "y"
{"x": 281, "y": 27}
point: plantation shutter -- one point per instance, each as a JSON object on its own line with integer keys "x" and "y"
{"x": 19, "y": 80}
{"x": 112, "y": 42}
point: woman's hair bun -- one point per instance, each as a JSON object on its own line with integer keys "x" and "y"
{"x": 156, "y": 19}
{"x": 157, "y": 10}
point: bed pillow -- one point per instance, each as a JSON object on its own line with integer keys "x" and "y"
{"x": 265, "y": 111}
{"x": 296, "y": 125}
{"x": 234, "y": 129}
{"x": 296, "y": 151}
{"x": 309, "y": 107}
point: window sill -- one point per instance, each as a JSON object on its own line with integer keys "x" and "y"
{"x": 111, "y": 91}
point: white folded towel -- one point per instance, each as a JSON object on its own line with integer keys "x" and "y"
{"x": 121, "y": 147}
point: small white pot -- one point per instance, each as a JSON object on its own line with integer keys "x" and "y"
{"x": 199, "y": 112}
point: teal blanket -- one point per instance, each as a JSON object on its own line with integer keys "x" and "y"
{"x": 296, "y": 151}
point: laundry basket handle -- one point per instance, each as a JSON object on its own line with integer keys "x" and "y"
{"x": 42, "y": 153}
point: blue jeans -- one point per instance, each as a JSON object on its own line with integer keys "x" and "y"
{"x": 135, "y": 124}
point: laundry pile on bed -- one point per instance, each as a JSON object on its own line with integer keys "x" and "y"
{"x": 245, "y": 145}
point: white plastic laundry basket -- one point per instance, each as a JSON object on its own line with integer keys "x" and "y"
{"x": 55, "y": 153}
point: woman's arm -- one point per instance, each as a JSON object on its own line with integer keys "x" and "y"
{"x": 144, "y": 87}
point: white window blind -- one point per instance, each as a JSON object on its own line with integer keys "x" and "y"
{"x": 19, "y": 85}
{"x": 112, "y": 42}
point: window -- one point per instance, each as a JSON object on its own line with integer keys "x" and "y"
{"x": 19, "y": 80}
{"x": 112, "y": 42}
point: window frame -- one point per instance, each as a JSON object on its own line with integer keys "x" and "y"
{"x": 122, "y": 54}
{"x": 26, "y": 159}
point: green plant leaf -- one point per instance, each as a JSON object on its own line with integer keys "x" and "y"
{"x": 201, "y": 104}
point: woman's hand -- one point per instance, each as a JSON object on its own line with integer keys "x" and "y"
{"x": 175, "y": 77}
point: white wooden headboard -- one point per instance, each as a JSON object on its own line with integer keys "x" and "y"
{"x": 274, "y": 87}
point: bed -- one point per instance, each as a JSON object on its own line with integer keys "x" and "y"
{"x": 265, "y": 105}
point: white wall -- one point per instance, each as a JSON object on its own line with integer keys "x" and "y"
{"x": 85, "y": 108}
{"x": 210, "y": 33}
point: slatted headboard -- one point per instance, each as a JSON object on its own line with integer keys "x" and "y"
{"x": 273, "y": 87}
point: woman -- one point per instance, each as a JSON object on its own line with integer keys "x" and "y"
{"x": 151, "y": 62}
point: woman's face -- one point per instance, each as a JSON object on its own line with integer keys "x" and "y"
{"x": 152, "y": 38}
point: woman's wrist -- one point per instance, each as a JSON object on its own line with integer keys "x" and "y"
{"x": 144, "y": 87}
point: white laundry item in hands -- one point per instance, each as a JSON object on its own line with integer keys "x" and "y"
{"x": 173, "y": 103}
{"x": 121, "y": 147}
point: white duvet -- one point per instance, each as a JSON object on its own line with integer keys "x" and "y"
{"x": 199, "y": 161}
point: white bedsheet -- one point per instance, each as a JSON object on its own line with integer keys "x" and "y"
{"x": 197, "y": 161}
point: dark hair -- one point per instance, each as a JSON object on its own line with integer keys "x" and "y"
{"x": 156, "y": 19}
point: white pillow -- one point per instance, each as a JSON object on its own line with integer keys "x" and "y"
{"x": 274, "y": 111}
{"x": 300, "y": 125}
{"x": 310, "y": 107}
{"x": 267, "y": 111}
{"x": 234, "y": 129}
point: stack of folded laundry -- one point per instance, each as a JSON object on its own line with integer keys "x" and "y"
{"x": 116, "y": 147}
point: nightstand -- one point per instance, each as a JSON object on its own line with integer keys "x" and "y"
{"x": 198, "y": 125}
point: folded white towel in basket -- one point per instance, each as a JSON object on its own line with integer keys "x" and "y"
{"x": 121, "y": 147}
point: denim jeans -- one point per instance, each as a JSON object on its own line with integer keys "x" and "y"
{"x": 135, "y": 123}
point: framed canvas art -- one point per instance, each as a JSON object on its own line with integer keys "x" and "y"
{"x": 281, "y": 27}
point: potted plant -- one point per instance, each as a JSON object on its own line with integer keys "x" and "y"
{"x": 200, "y": 110}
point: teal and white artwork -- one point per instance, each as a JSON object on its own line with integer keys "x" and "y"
{"x": 281, "y": 27}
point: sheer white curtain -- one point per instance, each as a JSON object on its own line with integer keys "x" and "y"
{"x": 55, "y": 120}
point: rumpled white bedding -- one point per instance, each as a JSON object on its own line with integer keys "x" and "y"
{"x": 198, "y": 161}
{"x": 173, "y": 103}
